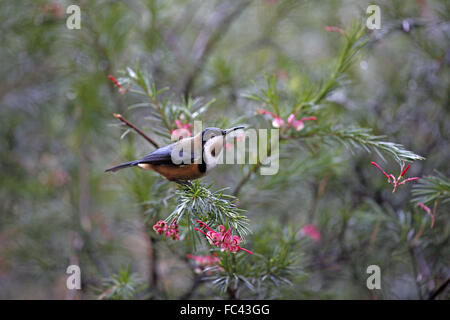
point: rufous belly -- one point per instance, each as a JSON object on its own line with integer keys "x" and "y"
{"x": 171, "y": 172}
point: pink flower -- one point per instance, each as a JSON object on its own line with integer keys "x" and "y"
{"x": 186, "y": 126}
{"x": 334, "y": 29}
{"x": 392, "y": 179}
{"x": 160, "y": 227}
{"x": 222, "y": 239}
{"x": 424, "y": 207}
{"x": 228, "y": 146}
{"x": 205, "y": 261}
{"x": 311, "y": 231}
{"x": 169, "y": 230}
{"x": 54, "y": 9}
{"x": 428, "y": 211}
{"x": 240, "y": 137}
{"x": 277, "y": 122}
{"x": 182, "y": 130}
{"x": 118, "y": 85}
{"x": 298, "y": 124}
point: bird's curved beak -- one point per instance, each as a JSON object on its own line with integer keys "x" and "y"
{"x": 227, "y": 131}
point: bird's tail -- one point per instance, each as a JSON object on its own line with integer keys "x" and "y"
{"x": 123, "y": 165}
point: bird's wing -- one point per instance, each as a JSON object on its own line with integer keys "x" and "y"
{"x": 159, "y": 156}
{"x": 162, "y": 156}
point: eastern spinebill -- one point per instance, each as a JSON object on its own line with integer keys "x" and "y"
{"x": 182, "y": 161}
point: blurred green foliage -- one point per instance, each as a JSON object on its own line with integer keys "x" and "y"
{"x": 57, "y": 135}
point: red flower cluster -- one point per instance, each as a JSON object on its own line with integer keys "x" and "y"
{"x": 54, "y": 9}
{"x": 182, "y": 130}
{"x": 169, "y": 230}
{"x": 311, "y": 231}
{"x": 222, "y": 239}
{"x": 393, "y": 180}
{"x": 291, "y": 121}
{"x": 204, "y": 261}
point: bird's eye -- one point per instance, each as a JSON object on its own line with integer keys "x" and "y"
{"x": 213, "y": 152}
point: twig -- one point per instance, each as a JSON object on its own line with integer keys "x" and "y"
{"x": 210, "y": 34}
{"x": 153, "y": 257}
{"x": 439, "y": 290}
{"x": 132, "y": 126}
{"x": 245, "y": 179}
{"x": 155, "y": 102}
{"x": 415, "y": 271}
{"x": 374, "y": 233}
{"x": 84, "y": 219}
{"x": 232, "y": 292}
{"x": 433, "y": 217}
{"x": 404, "y": 25}
{"x": 196, "y": 283}
{"x": 198, "y": 278}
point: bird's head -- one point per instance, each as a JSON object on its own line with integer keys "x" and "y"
{"x": 213, "y": 143}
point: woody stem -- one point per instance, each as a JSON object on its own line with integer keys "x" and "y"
{"x": 132, "y": 126}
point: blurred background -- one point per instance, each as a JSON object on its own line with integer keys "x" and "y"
{"x": 58, "y": 135}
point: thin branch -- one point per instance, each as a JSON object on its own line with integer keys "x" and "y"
{"x": 245, "y": 179}
{"x": 153, "y": 257}
{"x": 405, "y": 26}
{"x": 439, "y": 290}
{"x": 155, "y": 102}
{"x": 196, "y": 283}
{"x": 211, "y": 33}
{"x": 84, "y": 218}
{"x": 132, "y": 126}
{"x": 415, "y": 271}
{"x": 232, "y": 292}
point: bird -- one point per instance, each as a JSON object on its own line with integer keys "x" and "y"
{"x": 182, "y": 161}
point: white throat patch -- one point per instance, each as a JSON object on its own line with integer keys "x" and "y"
{"x": 212, "y": 151}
